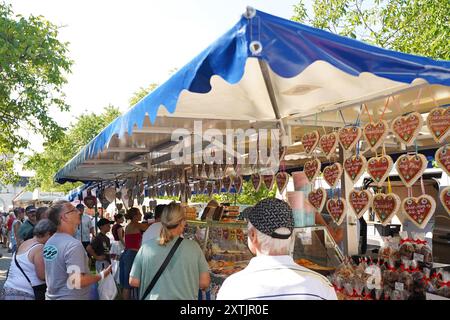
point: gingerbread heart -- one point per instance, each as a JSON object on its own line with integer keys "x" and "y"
{"x": 202, "y": 186}
{"x": 438, "y": 121}
{"x": 419, "y": 210}
{"x": 445, "y": 199}
{"x": 328, "y": 143}
{"x": 310, "y": 141}
{"x": 209, "y": 189}
{"x": 385, "y": 206}
{"x": 359, "y": 201}
{"x": 336, "y": 209}
{"x": 226, "y": 182}
{"x": 218, "y": 186}
{"x": 332, "y": 174}
{"x": 406, "y": 128}
{"x": 317, "y": 198}
{"x": 379, "y": 168}
{"x": 269, "y": 181}
{"x": 188, "y": 191}
{"x": 375, "y": 132}
{"x": 349, "y": 136}
{"x": 282, "y": 179}
{"x": 411, "y": 167}
{"x": 312, "y": 169}
{"x": 197, "y": 188}
{"x": 237, "y": 182}
{"x": 442, "y": 157}
{"x": 355, "y": 166}
{"x": 256, "y": 181}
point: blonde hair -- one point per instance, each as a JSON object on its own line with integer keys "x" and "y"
{"x": 172, "y": 215}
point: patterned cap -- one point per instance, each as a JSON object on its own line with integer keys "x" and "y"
{"x": 245, "y": 212}
{"x": 271, "y": 214}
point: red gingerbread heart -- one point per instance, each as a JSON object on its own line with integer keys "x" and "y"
{"x": 406, "y": 128}
{"x": 336, "y": 209}
{"x": 209, "y": 188}
{"x": 442, "y": 157}
{"x": 332, "y": 174}
{"x": 348, "y": 137}
{"x": 411, "y": 167}
{"x": 328, "y": 143}
{"x": 317, "y": 198}
{"x": 202, "y": 185}
{"x": 359, "y": 201}
{"x": 438, "y": 121}
{"x": 237, "y": 182}
{"x": 226, "y": 182}
{"x": 282, "y": 181}
{"x": 375, "y": 132}
{"x": 256, "y": 181}
{"x": 310, "y": 141}
{"x": 354, "y": 167}
{"x": 445, "y": 199}
{"x": 419, "y": 210}
{"x": 312, "y": 169}
{"x": 379, "y": 168}
{"x": 268, "y": 181}
{"x": 385, "y": 206}
{"x": 218, "y": 186}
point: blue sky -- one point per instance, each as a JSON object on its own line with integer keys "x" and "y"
{"x": 119, "y": 46}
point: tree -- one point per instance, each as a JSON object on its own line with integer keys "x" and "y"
{"x": 56, "y": 154}
{"x": 418, "y": 27}
{"x": 33, "y": 65}
{"x": 141, "y": 93}
{"x": 247, "y": 196}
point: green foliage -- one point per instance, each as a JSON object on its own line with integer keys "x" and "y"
{"x": 248, "y": 196}
{"x": 418, "y": 27}
{"x": 57, "y": 154}
{"x": 141, "y": 93}
{"x": 33, "y": 65}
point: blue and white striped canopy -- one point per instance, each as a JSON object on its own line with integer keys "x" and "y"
{"x": 311, "y": 71}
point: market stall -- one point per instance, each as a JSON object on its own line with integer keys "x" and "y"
{"x": 331, "y": 107}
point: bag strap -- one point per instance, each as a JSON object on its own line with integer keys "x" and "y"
{"x": 162, "y": 268}
{"x": 18, "y": 265}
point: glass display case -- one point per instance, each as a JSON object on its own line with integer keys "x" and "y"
{"x": 225, "y": 248}
{"x": 314, "y": 248}
{"x": 197, "y": 231}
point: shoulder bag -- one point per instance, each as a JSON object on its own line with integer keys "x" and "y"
{"x": 162, "y": 268}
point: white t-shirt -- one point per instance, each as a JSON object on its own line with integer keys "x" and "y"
{"x": 152, "y": 232}
{"x": 276, "y": 278}
{"x": 87, "y": 222}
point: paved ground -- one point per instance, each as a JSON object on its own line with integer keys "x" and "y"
{"x": 5, "y": 261}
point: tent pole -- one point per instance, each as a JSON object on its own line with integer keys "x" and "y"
{"x": 273, "y": 101}
{"x": 269, "y": 87}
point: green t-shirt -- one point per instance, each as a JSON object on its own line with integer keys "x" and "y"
{"x": 180, "y": 280}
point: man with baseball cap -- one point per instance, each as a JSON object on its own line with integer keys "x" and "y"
{"x": 100, "y": 246}
{"x": 273, "y": 274}
{"x": 26, "y": 229}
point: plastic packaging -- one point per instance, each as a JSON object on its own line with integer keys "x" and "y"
{"x": 406, "y": 249}
{"x": 444, "y": 285}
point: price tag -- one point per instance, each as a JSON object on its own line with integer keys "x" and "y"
{"x": 399, "y": 286}
{"x": 305, "y": 237}
{"x": 418, "y": 257}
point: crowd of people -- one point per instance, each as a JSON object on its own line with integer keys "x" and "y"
{"x": 61, "y": 252}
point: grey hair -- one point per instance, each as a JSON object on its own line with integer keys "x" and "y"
{"x": 272, "y": 246}
{"x": 54, "y": 212}
{"x": 43, "y": 227}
